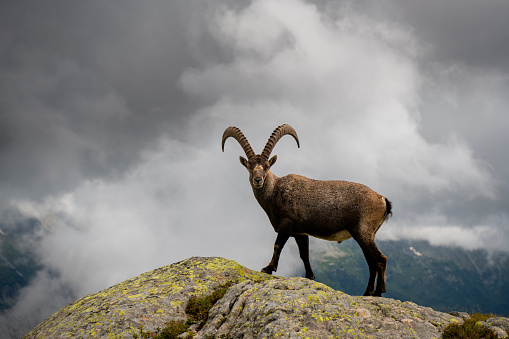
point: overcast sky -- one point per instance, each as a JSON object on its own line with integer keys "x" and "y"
{"x": 111, "y": 116}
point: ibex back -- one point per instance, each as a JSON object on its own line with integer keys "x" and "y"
{"x": 299, "y": 207}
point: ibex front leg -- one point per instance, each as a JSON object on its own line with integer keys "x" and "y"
{"x": 282, "y": 236}
{"x": 303, "y": 243}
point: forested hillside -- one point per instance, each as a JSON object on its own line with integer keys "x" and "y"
{"x": 445, "y": 278}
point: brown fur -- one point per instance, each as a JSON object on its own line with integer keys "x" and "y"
{"x": 300, "y": 207}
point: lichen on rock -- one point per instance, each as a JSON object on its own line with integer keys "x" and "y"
{"x": 257, "y": 305}
{"x": 499, "y": 325}
{"x": 150, "y": 300}
{"x": 300, "y": 308}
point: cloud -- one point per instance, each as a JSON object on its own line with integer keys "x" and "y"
{"x": 72, "y": 109}
{"x": 440, "y": 231}
{"x": 169, "y": 207}
{"x": 119, "y": 155}
{"x": 341, "y": 81}
{"x": 350, "y": 94}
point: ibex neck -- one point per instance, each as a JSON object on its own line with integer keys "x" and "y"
{"x": 265, "y": 193}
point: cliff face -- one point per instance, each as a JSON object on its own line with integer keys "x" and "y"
{"x": 257, "y": 305}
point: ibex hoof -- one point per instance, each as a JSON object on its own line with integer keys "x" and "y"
{"x": 373, "y": 293}
{"x": 267, "y": 270}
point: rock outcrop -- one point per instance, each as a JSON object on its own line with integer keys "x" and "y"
{"x": 257, "y": 305}
{"x": 499, "y": 326}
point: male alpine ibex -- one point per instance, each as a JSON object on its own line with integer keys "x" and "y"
{"x": 299, "y": 207}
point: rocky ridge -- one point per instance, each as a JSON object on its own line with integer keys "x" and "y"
{"x": 257, "y": 305}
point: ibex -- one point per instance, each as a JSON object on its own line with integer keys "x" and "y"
{"x": 299, "y": 207}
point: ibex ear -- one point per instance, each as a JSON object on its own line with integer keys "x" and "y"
{"x": 243, "y": 161}
{"x": 272, "y": 160}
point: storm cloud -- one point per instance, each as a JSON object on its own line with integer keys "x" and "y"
{"x": 111, "y": 115}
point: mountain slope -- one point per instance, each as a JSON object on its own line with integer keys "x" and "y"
{"x": 17, "y": 264}
{"x": 445, "y": 278}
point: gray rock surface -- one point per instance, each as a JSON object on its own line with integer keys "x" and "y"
{"x": 300, "y": 308}
{"x": 462, "y": 315}
{"x": 150, "y": 300}
{"x": 499, "y": 325}
{"x": 256, "y": 306}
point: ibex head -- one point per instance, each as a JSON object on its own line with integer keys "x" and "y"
{"x": 258, "y": 165}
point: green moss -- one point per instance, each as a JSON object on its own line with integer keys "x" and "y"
{"x": 172, "y": 331}
{"x": 470, "y": 329}
{"x": 197, "y": 310}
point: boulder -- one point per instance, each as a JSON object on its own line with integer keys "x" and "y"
{"x": 499, "y": 325}
{"x": 300, "y": 308}
{"x": 257, "y": 305}
{"x": 150, "y": 300}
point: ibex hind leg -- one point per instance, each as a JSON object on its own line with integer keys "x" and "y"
{"x": 377, "y": 263}
{"x": 381, "y": 267}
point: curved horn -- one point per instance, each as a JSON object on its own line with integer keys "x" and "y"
{"x": 276, "y": 135}
{"x": 239, "y": 136}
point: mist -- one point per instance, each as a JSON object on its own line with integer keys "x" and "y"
{"x": 111, "y": 118}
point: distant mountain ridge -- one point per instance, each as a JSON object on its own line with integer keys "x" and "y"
{"x": 444, "y": 278}
{"x": 441, "y": 277}
{"x": 17, "y": 265}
